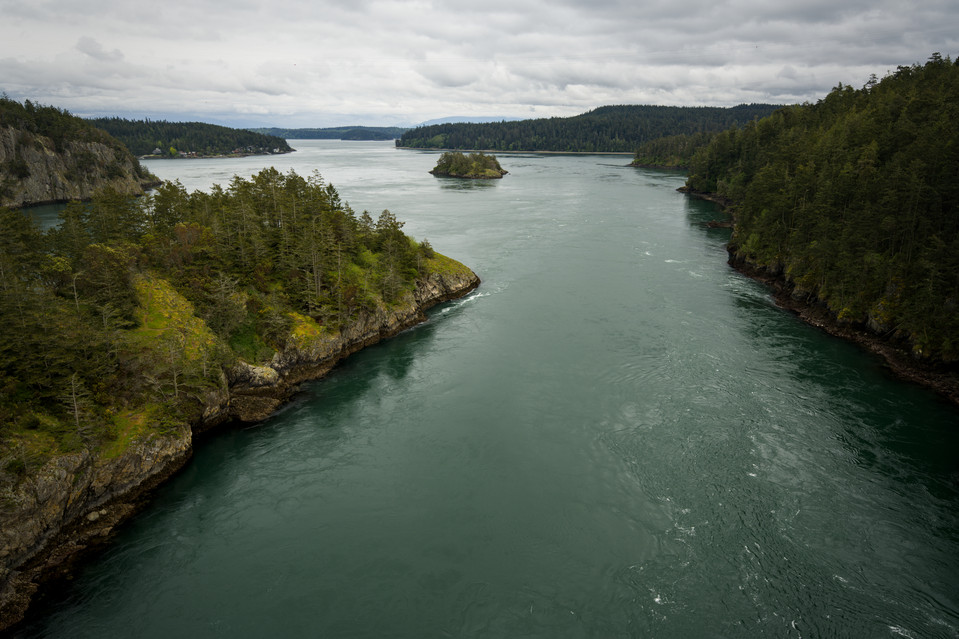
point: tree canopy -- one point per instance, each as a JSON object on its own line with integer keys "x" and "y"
{"x": 672, "y": 151}
{"x": 855, "y": 199}
{"x": 57, "y": 124}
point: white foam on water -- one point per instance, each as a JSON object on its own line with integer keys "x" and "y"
{"x": 475, "y": 295}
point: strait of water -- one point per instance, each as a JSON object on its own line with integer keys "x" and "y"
{"x": 616, "y": 435}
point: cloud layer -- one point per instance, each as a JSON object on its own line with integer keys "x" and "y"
{"x": 322, "y": 63}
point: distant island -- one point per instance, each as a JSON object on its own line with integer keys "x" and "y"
{"x": 607, "y": 129}
{"x": 475, "y": 166}
{"x": 355, "y": 133}
{"x": 162, "y": 139}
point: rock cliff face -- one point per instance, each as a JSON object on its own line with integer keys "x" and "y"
{"x": 77, "y": 500}
{"x": 74, "y": 500}
{"x": 34, "y": 171}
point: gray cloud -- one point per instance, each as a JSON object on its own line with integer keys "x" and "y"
{"x": 309, "y": 63}
{"x": 95, "y": 50}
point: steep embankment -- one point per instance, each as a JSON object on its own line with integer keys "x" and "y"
{"x": 76, "y": 500}
{"x": 34, "y": 171}
{"x": 49, "y": 155}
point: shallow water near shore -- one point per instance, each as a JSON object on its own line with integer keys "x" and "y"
{"x": 616, "y": 435}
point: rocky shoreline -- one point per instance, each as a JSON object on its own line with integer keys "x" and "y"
{"x": 76, "y": 501}
{"x": 941, "y": 378}
{"x": 724, "y": 202}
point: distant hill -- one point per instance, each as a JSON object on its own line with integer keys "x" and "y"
{"x": 337, "y": 133}
{"x": 49, "y": 155}
{"x": 619, "y": 129}
{"x": 159, "y": 137}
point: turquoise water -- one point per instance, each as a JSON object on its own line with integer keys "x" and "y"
{"x": 616, "y": 435}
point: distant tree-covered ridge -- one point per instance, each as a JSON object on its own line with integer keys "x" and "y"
{"x": 615, "y": 129}
{"x": 48, "y": 154}
{"x": 381, "y": 133}
{"x": 173, "y": 139}
{"x": 854, "y": 201}
{"x": 475, "y": 166}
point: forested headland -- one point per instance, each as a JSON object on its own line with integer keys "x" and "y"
{"x": 608, "y": 129}
{"x": 357, "y": 133}
{"x": 854, "y": 203}
{"x": 50, "y": 155}
{"x": 136, "y": 321}
{"x": 174, "y": 139}
{"x": 141, "y": 304}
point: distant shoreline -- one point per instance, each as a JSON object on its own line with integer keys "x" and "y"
{"x": 220, "y": 156}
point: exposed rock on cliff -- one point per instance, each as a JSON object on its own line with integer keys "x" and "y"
{"x": 71, "y": 502}
{"x": 34, "y": 169}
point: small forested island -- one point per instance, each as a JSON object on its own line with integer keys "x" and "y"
{"x": 49, "y": 155}
{"x": 850, "y": 206}
{"x": 162, "y": 139}
{"x": 475, "y": 166}
{"x": 138, "y": 322}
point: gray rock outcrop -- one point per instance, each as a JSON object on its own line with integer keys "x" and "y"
{"x": 34, "y": 171}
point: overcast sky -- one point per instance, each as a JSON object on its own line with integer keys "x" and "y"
{"x": 387, "y": 62}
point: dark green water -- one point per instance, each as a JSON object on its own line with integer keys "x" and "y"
{"x": 615, "y": 436}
